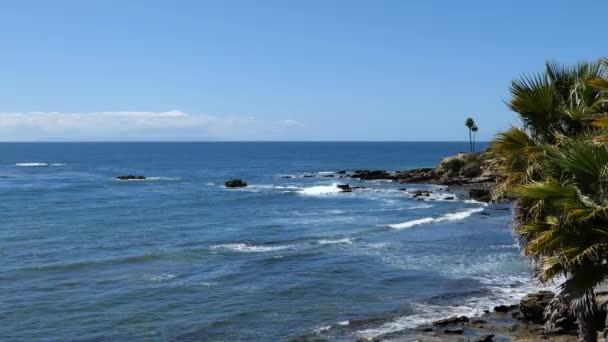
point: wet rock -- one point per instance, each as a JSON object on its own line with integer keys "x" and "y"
{"x": 130, "y": 177}
{"x": 482, "y": 195}
{"x": 453, "y": 330}
{"x": 533, "y": 305}
{"x": 419, "y": 193}
{"x": 501, "y": 308}
{"x": 485, "y": 338}
{"x": 341, "y": 172}
{"x": 308, "y": 176}
{"x": 448, "y": 198}
{"x": 451, "y": 320}
{"x": 371, "y": 174}
{"x": 287, "y": 177}
{"x": 478, "y": 321}
{"x": 235, "y": 183}
{"x": 329, "y": 176}
{"x": 345, "y": 187}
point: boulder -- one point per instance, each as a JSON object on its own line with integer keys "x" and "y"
{"x": 485, "y": 338}
{"x": 130, "y": 177}
{"x": 482, "y": 195}
{"x": 501, "y": 308}
{"x": 235, "y": 183}
{"x": 558, "y": 317}
{"x": 532, "y": 306}
{"x": 341, "y": 172}
{"x": 345, "y": 187}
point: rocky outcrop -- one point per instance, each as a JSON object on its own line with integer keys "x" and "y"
{"x": 473, "y": 172}
{"x": 130, "y": 177}
{"x": 532, "y": 306}
{"x": 235, "y": 183}
{"x": 371, "y": 174}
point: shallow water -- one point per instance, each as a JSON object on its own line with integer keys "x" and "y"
{"x": 180, "y": 257}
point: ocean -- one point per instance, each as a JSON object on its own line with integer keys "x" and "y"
{"x": 179, "y": 257}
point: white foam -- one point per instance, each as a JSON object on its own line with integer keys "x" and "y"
{"x": 32, "y": 164}
{"x": 348, "y": 241}
{"x": 412, "y": 223}
{"x": 321, "y": 190}
{"x": 160, "y": 277}
{"x": 247, "y": 248}
{"x": 457, "y": 216}
{"x": 326, "y": 172}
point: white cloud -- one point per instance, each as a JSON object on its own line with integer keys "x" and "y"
{"x": 123, "y": 126}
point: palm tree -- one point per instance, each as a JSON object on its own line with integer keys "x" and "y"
{"x": 474, "y": 129}
{"x": 470, "y": 123}
{"x": 559, "y": 178}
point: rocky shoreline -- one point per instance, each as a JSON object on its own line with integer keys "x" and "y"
{"x": 525, "y": 321}
{"x": 473, "y": 174}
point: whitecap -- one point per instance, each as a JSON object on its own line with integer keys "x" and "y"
{"x": 160, "y": 277}
{"x": 247, "y": 248}
{"x": 32, "y": 164}
{"x": 457, "y": 216}
{"x": 321, "y": 190}
{"x": 348, "y": 241}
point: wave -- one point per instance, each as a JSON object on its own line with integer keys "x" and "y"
{"x": 457, "y": 216}
{"x": 321, "y": 190}
{"x": 348, "y": 241}
{"x": 248, "y": 248}
{"x": 38, "y": 164}
{"x": 148, "y": 179}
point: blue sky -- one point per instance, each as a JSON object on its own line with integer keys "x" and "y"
{"x": 277, "y": 70}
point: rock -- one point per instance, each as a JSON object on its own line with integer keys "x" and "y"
{"x": 451, "y": 320}
{"x": 341, "y": 172}
{"x": 329, "y": 176}
{"x": 533, "y": 305}
{"x": 419, "y": 193}
{"x": 235, "y": 183}
{"x": 448, "y": 198}
{"x": 402, "y": 189}
{"x": 308, "y": 176}
{"x": 485, "y": 338}
{"x": 363, "y": 339}
{"x": 478, "y": 321}
{"x": 515, "y": 314}
{"x": 501, "y": 308}
{"x": 371, "y": 174}
{"x": 130, "y": 177}
{"x": 453, "y": 330}
{"x": 287, "y": 177}
{"x": 345, "y": 187}
{"x": 482, "y": 195}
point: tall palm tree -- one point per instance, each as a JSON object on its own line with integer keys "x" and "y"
{"x": 470, "y": 123}
{"x": 474, "y": 129}
{"x": 559, "y": 178}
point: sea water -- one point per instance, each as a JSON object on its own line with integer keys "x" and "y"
{"x": 178, "y": 256}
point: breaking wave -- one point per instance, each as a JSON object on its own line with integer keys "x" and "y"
{"x": 457, "y": 216}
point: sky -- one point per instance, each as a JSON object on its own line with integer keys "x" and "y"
{"x": 385, "y": 70}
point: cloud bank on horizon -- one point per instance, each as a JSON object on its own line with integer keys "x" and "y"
{"x": 139, "y": 126}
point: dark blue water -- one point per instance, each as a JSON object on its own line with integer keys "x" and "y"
{"x": 180, "y": 257}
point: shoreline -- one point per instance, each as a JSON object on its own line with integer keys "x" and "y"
{"x": 472, "y": 176}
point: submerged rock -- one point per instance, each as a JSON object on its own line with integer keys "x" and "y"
{"x": 482, "y": 195}
{"x": 130, "y": 177}
{"x": 485, "y": 338}
{"x": 235, "y": 183}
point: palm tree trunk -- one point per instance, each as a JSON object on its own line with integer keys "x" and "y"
{"x": 588, "y": 326}
{"x": 474, "y": 138}
{"x": 470, "y": 142}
